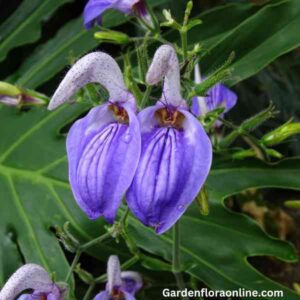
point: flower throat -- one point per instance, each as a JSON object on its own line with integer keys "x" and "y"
{"x": 169, "y": 118}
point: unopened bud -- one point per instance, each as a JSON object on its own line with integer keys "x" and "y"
{"x": 202, "y": 200}
{"x": 274, "y": 153}
{"x": 281, "y": 133}
{"x": 187, "y": 12}
{"x": 111, "y": 36}
{"x": 170, "y": 22}
{"x": 13, "y": 96}
{"x": 244, "y": 154}
{"x": 258, "y": 119}
{"x": 292, "y": 204}
{"x": 9, "y": 94}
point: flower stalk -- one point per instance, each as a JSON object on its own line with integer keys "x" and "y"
{"x": 176, "y": 268}
{"x": 83, "y": 248}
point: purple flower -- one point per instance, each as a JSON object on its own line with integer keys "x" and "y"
{"x": 9, "y": 101}
{"x": 218, "y": 96}
{"x": 32, "y": 277}
{"x": 103, "y": 147}
{"x": 95, "y": 8}
{"x": 11, "y": 95}
{"x": 176, "y": 152}
{"x": 120, "y": 285}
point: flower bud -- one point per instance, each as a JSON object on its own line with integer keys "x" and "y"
{"x": 111, "y": 36}
{"x": 13, "y": 96}
{"x": 281, "y": 133}
{"x": 259, "y": 118}
{"x": 170, "y": 22}
{"x": 9, "y": 94}
{"x": 9, "y": 89}
{"x": 292, "y": 204}
{"x": 274, "y": 153}
{"x": 202, "y": 200}
{"x": 242, "y": 154}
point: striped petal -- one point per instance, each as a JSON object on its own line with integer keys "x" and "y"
{"x": 103, "y": 155}
{"x": 173, "y": 166}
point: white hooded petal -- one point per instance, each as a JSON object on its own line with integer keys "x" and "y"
{"x": 29, "y": 276}
{"x": 165, "y": 65}
{"x": 113, "y": 273}
{"x": 96, "y": 67}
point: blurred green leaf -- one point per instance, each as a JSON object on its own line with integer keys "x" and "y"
{"x": 48, "y": 59}
{"x": 255, "y": 41}
{"x": 35, "y": 196}
{"x": 24, "y": 25}
{"x": 71, "y": 41}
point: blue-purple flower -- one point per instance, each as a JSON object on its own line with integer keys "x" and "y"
{"x": 32, "y": 277}
{"x": 120, "y": 285}
{"x": 95, "y": 8}
{"x": 176, "y": 152}
{"x": 103, "y": 147}
{"x": 218, "y": 96}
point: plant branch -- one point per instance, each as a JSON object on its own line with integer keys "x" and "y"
{"x": 176, "y": 259}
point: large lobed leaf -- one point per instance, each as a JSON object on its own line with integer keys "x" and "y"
{"x": 215, "y": 248}
{"x": 24, "y": 25}
{"x": 35, "y": 196}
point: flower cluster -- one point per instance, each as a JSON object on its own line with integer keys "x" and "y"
{"x": 32, "y": 277}
{"x": 159, "y": 158}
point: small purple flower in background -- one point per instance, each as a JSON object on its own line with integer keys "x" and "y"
{"x": 32, "y": 277}
{"x": 218, "y": 96}
{"x": 9, "y": 101}
{"x": 176, "y": 152}
{"x": 103, "y": 147}
{"x": 120, "y": 285}
{"x": 11, "y": 95}
{"x": 95, "y": 8}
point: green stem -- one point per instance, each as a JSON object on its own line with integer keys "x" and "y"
{"x": 176, "y": 259}
{"x": 125, "y": 216}
{"x": 183, "y": 35}
{"x": 146, "y": 96}
{"x": 95, "y": 241}
{"x": 153, "y": 18}
{"x": 73, "y": 265}
{"x": 83, "y": 248}
{"x": 89, "y": 291}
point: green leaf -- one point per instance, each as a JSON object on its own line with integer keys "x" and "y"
{"x": 255, "y": 42}
{"x": 35, "y": 193}
{"x": 24, "y": 25}
{"x": 215, "y": 248}
{"x": 35, "y": 196}
{"x": 71, "y": 41}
